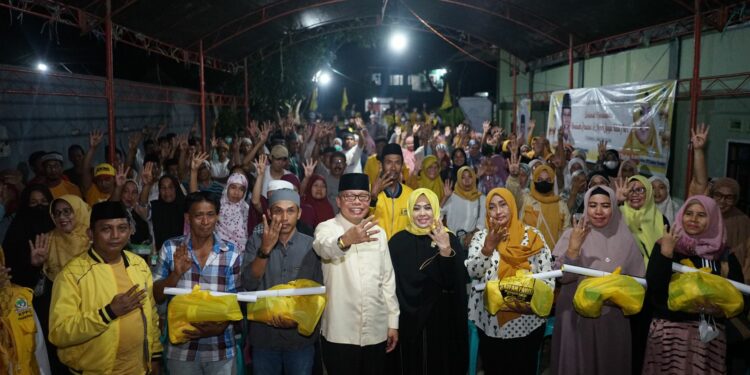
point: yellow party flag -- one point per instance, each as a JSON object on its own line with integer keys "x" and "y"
{"x": 446, "y": 98}
{"x": 344, "y": 101}
{"x": 314, "y": 100}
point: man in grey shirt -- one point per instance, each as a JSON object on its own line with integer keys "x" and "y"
{"x": 277, "y": 255}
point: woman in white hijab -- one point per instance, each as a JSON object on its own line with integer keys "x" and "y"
{"x": 667, "y": 205}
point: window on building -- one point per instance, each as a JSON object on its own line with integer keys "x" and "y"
{"x": 376, "y": 79}
{"x": 396, "y": 80}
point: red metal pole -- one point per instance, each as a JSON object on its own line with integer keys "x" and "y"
{"x": 513, "y": 111}
{"x": 695, "y": 88}
{"x": 247, "y": 98}
{"x": 570, "y": 61}
{"x": 203, "y": 97}
{"x": 110, "y": 82}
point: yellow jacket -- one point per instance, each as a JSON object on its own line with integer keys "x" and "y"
{"x": 80, "y": 316}
{"x": 372, "y": 169}
{"x": 18, "y": 316}
{"x": 391, "y": 213}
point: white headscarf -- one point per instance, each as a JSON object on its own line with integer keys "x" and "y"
{"x": 568, "y": 175}
{"x": 668, "y": 207}
{"x": 232, "y": 225}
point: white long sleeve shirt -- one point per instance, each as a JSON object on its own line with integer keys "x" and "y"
{"x": 360, "y": 286}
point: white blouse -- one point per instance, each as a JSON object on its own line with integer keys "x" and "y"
{"x": 462, "y": 214}
{"x": 483, "y": 269}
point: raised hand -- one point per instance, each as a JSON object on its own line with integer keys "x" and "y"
{"x": 621, "y": 189}
{"x": 270, "y": 234}
{"x": 669, "y": 239}
{"x": 581, "y": 229}
{"x": 531, "y": 126}
{"x": 122, "y": 175}
{"x": 182, "y": 261}
{"x": 124, "y": 303}
{"x": 699, "y": 137}
{"x": 447, "y": 188}
{"x": 95, "y": 138}
{"x": 265, "y": 131}
{"x": 135, "y": 140}
{"x": 485, "y": 127}
{"x": 252, "y": 129}
{"x": 197, "y": 160}
{"x": 309, "y": 167}
{"x": 440, "y": 237}
{"x": 602, "y": 148}
{"x": 381, "y": 182}
{"x": 447, "y": 131}
{"x": 514, "y": 165}
{"x": 261, "y": 164}
{"x": 39, "y": 249}
{"x": 496, "y": 234}
{"x": 147, "y": 176}
{"x": 482, "y": 170}
{"x": 362, "y": 232}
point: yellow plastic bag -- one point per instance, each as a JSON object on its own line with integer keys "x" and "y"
{"x": 620, "y": 290}
{"x": 305, "y": 310}
{"x": 694, "y": 292}
{"x": 521, "y": 288}
{"x": 199, "y": 306}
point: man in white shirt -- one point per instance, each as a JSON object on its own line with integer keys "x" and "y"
{"x": 353, "y": 144}
{"x": 360, "y": 322}
{"x": 279, "y": 162}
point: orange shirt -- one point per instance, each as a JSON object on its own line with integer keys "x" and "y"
{"x": 65, "y": 187}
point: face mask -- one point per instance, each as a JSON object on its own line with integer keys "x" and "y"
{"x": 544, "y": 187}
{"x": 610, "y": 164}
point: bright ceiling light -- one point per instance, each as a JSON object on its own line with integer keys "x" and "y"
{"x": 398, "y": 42}
{"x": 42, "y": 67}
{"x": 322, "y": 78}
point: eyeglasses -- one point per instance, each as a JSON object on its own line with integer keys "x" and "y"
{"x": 364, "y": 197}
{"x": 65, "y": 212}
{"x": 640, "y": 190}
{"x": 724, "y": 197}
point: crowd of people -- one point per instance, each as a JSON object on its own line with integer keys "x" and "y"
{"x": 398, "y": 216}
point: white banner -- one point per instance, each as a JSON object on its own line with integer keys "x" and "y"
{"x": 633, "y": 118}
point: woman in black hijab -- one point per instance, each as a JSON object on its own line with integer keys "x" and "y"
{"x": 428, "y": 262}
{"x": 31, "y": 219}
{"x": 458, "y": 159}
{"x": 167, "y": 212}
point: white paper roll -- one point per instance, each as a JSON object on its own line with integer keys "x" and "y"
{"x": 286, "y": 292}
{"x": 539, "y": 276}
{"x": 676, "y": 267}
{"x": 594, "y": 273}
{"x": 182, "y": 291}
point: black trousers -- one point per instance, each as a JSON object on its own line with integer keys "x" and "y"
{"x": 345, "y": 359}
{"x": 510, "y": 356}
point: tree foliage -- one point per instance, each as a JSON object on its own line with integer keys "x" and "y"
{"x": 285, "y": 77}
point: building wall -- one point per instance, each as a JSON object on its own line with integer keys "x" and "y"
{"x": 721, "y": 53}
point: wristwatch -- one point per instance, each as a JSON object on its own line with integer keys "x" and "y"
{"x": 341, "y": 244}
{"x": 262, "y": 254}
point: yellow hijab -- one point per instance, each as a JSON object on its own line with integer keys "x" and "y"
{"x": 646, "y": 223}
{"x": 435, "y": 184}
{"x": 472, "y": 194}
{"x": 411, "y": 226}
{"x": 513, "y": 255}
{"x": 65, "y": 246}
{"x": 550, "y": 209}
